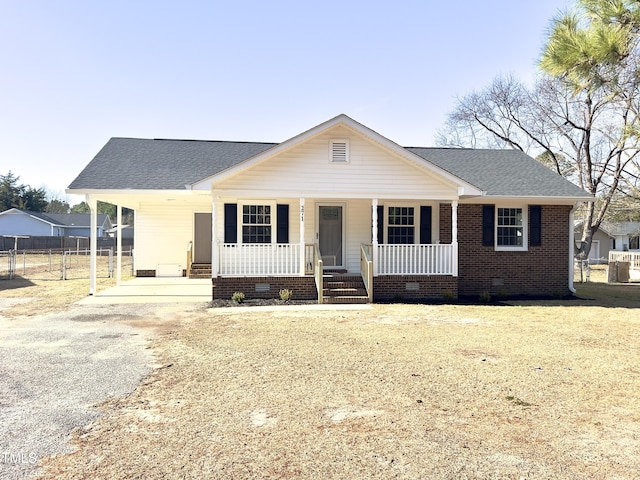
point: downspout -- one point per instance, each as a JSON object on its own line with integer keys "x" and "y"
{"x": 571, "y": 234}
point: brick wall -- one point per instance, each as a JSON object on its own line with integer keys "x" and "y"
{"x": 303, "y": 288}
{"x": 445, "y": 223}
{"x": 539, "y": 271}
{"x": 387, "y": 288}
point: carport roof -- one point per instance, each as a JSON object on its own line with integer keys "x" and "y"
{"x": 145, "y": 164}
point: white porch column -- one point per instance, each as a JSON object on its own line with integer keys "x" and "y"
{"x": 374, "y": 235}
{"x": 454, "y": 236}
{"x": 93, "y": 243}
{"x": 214, "y": 242}
{"x": 303, "y": 258}
{"x": 119, "y": 245}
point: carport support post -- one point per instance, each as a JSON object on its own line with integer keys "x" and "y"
{"x": 303, "y": 252}
{"x": 119, "y": 245}
{"x": 214, "y": 242}
{"x": 93, "y": 207}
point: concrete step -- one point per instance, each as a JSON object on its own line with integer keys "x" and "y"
{"x": 350, "y": 291}
{"x": 345, "y": 299}
{"x": 200, "y": 270}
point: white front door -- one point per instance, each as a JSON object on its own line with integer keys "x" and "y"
{"x": 331, "y": 235}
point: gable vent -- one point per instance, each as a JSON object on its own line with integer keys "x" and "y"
{"x": 339, "y": 151}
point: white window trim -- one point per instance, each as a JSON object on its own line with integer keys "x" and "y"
{"x": 347, "y": 156}
{"x": 273, "y": 224}
{"x": 525, "y": 229}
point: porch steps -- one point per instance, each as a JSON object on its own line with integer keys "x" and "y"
{"x": 344, "y": 289}
{"x": 200, "y": 270}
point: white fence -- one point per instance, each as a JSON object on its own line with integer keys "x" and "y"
{"x": 259, "y": 259}
{"x": 416, "y": 259}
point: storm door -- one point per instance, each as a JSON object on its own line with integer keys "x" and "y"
{"x": 331, "y": 235}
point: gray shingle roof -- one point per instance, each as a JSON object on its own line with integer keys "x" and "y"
{"x": 143, "y": 164}
{"x": 501, "y": 172}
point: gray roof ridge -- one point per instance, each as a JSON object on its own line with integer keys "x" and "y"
{"x": 195, "y": 140}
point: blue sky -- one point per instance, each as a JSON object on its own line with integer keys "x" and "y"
{"x": 75, "y": 73}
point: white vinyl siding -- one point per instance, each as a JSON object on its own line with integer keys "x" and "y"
{"x": 162, "y": 233}
{"x": 372, "y": 172}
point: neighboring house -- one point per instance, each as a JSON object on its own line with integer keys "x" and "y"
{"x": 611, "y": 236}
{"x": 37, "y": 224}
{"x": 601, "y": 244}
{"x": 626, "y": 236}
{"x": 412, "y": 223}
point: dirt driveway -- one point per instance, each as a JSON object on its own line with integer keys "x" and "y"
{"x": 56, "y": 369}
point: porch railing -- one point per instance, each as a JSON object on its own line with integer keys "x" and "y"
{"x": 632, "y": 257}
{"x": 366, "y": 268}
{"x": 309, "y": 258}
{"x": 259, "y": 259}
{"x": 436, "y": 259}
{"x": 319, "y": 272}
{"x": 189, "y": 258}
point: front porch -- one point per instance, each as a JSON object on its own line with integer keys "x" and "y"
{"x": 387, "y": 273}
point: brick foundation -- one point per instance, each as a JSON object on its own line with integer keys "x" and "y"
{"x": 303, "y": 288}
{"x": 398, "y": 288}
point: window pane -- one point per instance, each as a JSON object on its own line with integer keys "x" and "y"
{"x": 510, "y": 228}
{"x": 401, "y": 225}
{"x": 256, "y": 224}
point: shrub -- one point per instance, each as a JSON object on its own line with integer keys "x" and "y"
{"x": 286, "y": 295}
{"x": 448, "y": 295}
{"x": 485, "y": 297}
{"x": 237, "y": 297}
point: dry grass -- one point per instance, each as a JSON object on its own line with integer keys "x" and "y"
{"x": 38, "y": 290}
{"x": 530, "y": 390}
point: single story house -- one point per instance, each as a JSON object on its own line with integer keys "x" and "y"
{"x": 15, "y": 221}
{"x": 340, "y": 213}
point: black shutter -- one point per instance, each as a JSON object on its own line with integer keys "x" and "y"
{"x": 230, "y": 223}
{"x": 282, "y": 234}
{"x": 488, "y": 221}
{"x": 425, "y": 224}
{"x": 535, "y": 222}
{"x": 380, "y": 224}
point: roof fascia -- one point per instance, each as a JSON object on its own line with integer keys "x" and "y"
{"x": 532, "y": 200}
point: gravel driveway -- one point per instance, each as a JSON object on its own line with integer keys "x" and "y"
{"x": 54, "y": 372}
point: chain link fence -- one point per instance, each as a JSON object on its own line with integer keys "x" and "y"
{"x": 62, "y": 264}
